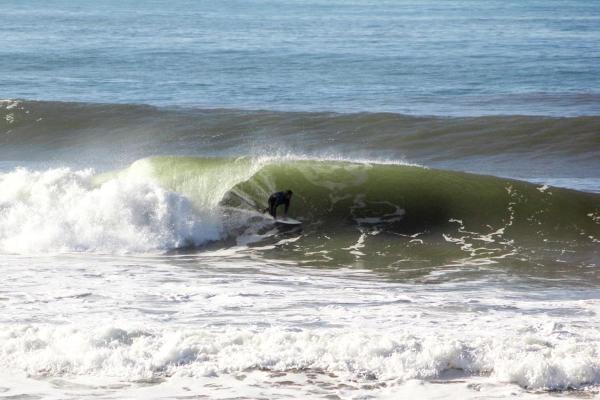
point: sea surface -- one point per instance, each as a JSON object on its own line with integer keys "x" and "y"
{"x": 445, "y": 163}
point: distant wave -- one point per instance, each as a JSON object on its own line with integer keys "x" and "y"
{"x": 100, "y": 132}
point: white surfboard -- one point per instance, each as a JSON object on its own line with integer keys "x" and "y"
{"x": 287, "y": 221}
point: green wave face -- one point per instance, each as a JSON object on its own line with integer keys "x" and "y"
{"x": 388, "y": 216}
{"x": 203, "y": 181}
{"x": 411, "y": 199}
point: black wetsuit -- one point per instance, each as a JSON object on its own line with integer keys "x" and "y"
{"x": 277, "y": 199}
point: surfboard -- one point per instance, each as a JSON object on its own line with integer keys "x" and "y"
{"x": 286, "y": 221}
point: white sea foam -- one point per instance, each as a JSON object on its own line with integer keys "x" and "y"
{"x": 189, "y": 322}
{"x": 61, "y": 210}
{"x": 533, "y": 360}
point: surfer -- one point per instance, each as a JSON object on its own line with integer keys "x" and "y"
{"x": 277, "y": 199}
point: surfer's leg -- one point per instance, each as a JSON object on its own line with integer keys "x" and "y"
{"x": 272, "y": 207}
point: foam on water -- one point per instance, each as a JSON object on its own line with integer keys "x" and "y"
{"x": 535, "y": 357}
{"x": 61, "y": 210}
{"x": 173, "y": 327}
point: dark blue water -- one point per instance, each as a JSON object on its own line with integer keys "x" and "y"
{"x": 416, "y": 57}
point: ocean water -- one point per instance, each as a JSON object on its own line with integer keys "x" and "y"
{"x": 445, "y": 161}
{"x": 412, "y": 57}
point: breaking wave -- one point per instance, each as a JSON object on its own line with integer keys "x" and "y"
{"x": 165, "y": 203}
